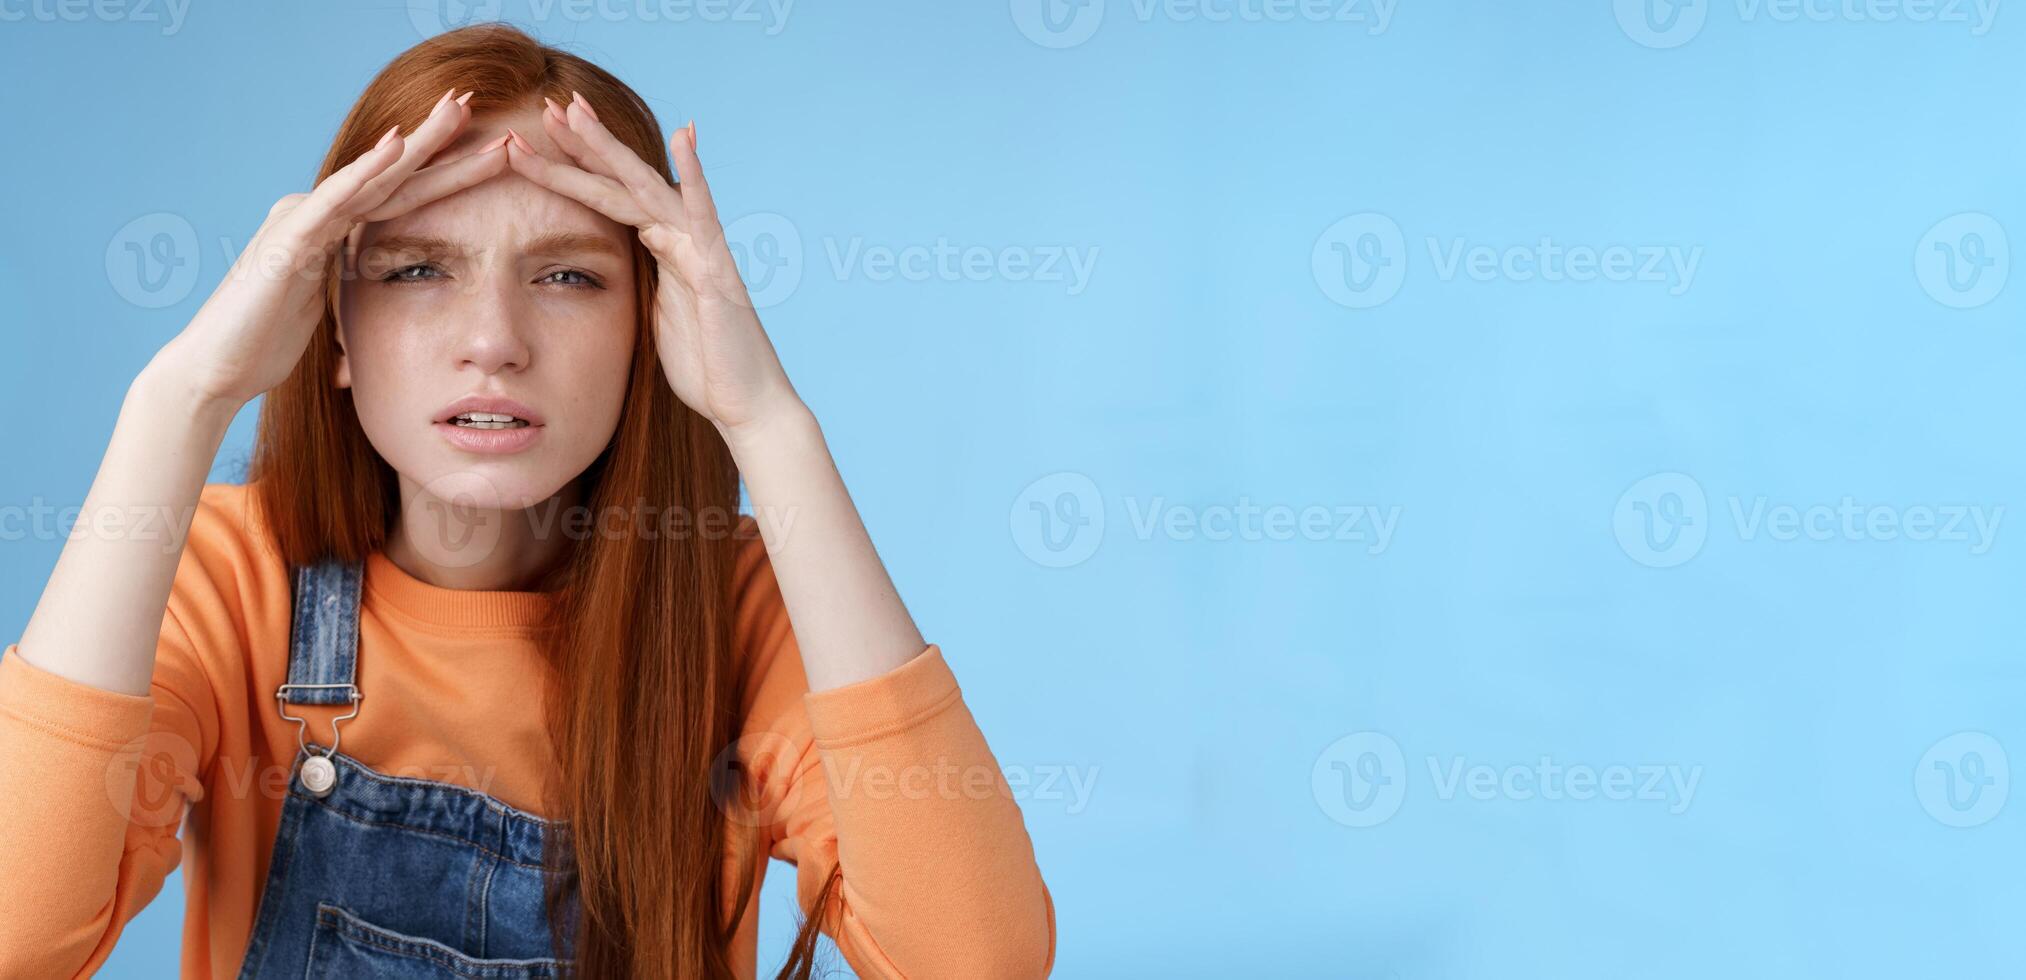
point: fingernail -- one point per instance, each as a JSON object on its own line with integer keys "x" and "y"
{"x": 466, "y": 97}
{"x": 388, "y": 138}
{"x": 551, "y": 103}
{"x": 593, "y": 113}
{"x": 692, "y": 135}
{"x": 520, "y": 141}
{"x": 445, "y": 97}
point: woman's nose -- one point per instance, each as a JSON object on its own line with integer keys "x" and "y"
{"x": 491, "y": 335}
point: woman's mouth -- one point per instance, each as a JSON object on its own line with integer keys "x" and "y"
{"x": 488, "y": 420}
{"x": 489, "y": 424}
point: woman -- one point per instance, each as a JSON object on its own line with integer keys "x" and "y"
{"x": 489, "y": 545}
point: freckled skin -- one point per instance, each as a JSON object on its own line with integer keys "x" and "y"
{"x": 495, "y": 321}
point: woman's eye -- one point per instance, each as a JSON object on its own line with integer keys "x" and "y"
{"x": 572, "y": 277}
{"x": 411, "y": 273}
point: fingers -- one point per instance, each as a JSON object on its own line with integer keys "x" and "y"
{"x": 306, "y": 220}
{"x": 649, "y": 187}
{"x": 369, "y": 180}
{"x": 557, "y": 125}
{"x": 444, "y": 121}
{"x": 696, "y": 192}
{"x": 442, "y": 180}
{"x": 599, "y": 193}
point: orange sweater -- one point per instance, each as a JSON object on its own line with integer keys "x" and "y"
{"x": 939, "y": 876}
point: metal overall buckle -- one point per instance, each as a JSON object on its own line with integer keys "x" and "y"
{"x": 319, "y": 773}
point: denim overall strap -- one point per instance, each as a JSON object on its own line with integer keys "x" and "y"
{"x": 385, "y": 875}
{"x": 324, "y": 639}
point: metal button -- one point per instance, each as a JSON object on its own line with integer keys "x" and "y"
{"x": 319, "y": 775}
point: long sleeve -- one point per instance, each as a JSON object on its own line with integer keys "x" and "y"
{"x": 94, "y": 785}
{"x": 891, "y": 780}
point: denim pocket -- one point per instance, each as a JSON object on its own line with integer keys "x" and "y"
{"x": 345, "y": 945}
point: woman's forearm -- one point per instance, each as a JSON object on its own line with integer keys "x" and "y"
{"x": 848, "y": 619}
{"x": 101, "y": 613}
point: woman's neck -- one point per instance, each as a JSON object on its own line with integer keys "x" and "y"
{"x": 454, "y": 545}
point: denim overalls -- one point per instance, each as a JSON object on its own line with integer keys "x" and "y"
{"x": 382, "y": 876}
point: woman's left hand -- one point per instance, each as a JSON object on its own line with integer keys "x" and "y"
{"x": 713, "y": 349}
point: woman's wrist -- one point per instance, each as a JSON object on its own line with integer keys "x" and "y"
{"x": 784, "y": 428}
{"x": 165, "y": 387}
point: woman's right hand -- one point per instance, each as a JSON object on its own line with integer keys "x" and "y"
{"x": 255, "y": 326}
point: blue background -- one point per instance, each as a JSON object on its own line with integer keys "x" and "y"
{"x": 1267, "y": 720}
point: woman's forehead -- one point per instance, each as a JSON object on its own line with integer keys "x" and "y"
{"x": 500, "y": 210}
{"x": 503, "y": 208}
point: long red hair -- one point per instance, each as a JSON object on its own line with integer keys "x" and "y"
{"x": 643, "y": 681}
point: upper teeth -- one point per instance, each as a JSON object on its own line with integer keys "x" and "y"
{"x": 486, "y": 417}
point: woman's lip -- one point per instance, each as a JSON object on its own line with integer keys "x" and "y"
{"x": 490, "y": 405}
{"x": 475, "y": 440}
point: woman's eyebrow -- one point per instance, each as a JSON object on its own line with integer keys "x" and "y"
{"x": 416, "y": 244}
{"x": 574, "y": 243}
{"x": 553, "y": 243}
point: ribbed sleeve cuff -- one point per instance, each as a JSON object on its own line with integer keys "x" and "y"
{"x": 880, "y": 706}
{"x": 68, "y": 709}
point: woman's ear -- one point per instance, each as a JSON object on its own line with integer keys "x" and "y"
{"x": 342, "y": 376}
{"x": 348, "y": 266}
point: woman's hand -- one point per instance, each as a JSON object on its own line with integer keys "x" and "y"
{"x": 255, "y": 326}
{"x": 713, "y": 349}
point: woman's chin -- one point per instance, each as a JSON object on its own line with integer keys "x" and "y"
{"x": 510, "y": 483}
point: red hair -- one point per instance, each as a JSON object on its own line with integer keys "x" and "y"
{"x": 643, "y": 679}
